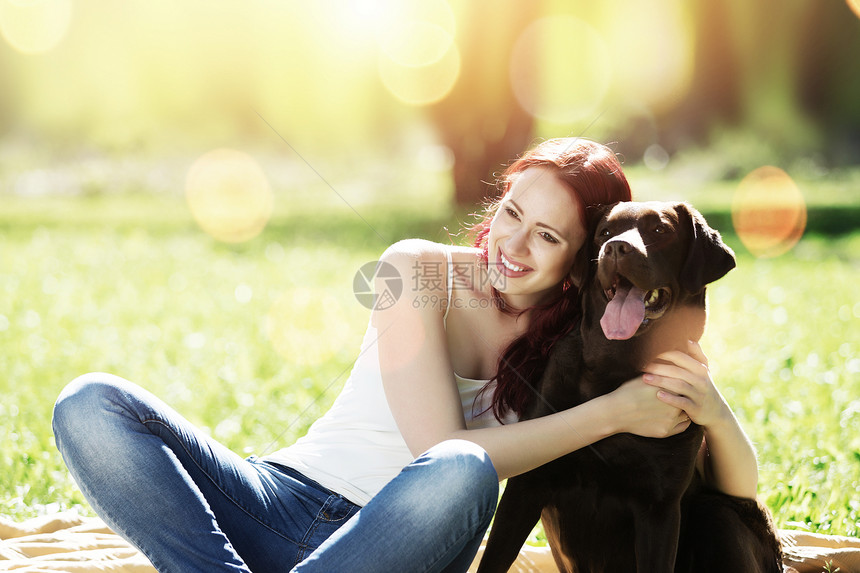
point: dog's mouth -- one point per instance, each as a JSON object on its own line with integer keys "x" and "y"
{"x": 630, "y": 308}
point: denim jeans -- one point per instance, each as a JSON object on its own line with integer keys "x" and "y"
{"x": 190, "y": 504}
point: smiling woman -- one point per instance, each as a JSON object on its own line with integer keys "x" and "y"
{"x": 590, "y": 174}
{"x": 407, "y": 436}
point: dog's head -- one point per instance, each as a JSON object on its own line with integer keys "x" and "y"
{"x": 652, "y": 259}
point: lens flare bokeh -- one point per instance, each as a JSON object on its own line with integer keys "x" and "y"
{"x": 560, "y": 69}
{"x": 421, "y": 85}
{"x": 653, "y": 53}
{"x": 229, "y": 195}
{"x": 34, "y": 26}
{"x": 418, "y": 33}
{"x": 768, "y": 212}
{"x": 419, "y": 62}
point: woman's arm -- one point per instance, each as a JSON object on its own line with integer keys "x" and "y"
{"x": 727, "y": 458}
{"x": 419, "y": 384}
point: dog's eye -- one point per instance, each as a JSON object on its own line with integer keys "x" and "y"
{"x": 603, "y": 233}
{"x": 660, "y": 229}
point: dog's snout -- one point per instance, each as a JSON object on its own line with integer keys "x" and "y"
{"x": 617, "y": 248}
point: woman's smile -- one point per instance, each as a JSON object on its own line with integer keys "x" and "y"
{"x": 511, "y": 268}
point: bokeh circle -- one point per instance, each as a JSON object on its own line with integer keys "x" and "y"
{"x": 229, "y": 195}
{"x": 768, "y": 212}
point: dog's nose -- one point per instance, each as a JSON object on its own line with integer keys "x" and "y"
{"x": 617, "y": 248}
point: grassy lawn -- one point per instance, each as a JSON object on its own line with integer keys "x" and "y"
{"x": 253, "y": 341}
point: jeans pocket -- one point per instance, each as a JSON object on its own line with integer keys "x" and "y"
{"x": 333, "y": 514}
{"x": 337, "y": 510}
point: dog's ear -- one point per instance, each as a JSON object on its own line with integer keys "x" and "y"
{"x": 708, "y": 258}
{"x": 579, "y": 272}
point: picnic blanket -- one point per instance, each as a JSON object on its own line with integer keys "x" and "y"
{"x": 70, "y": 543}
{"x": 66, "y": 542}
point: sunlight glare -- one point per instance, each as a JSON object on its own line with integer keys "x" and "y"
{"x": 421, "y": 85}
{"x": 855, "y": 6}
{"x": 573, "y": 68}
{"x": 417, "y": 32}
{"x": 416, "y": 43}
{"x": 366, "y": 12}
{"x": 768, "y": 212}
{"x": 34, "y": 26}
{"x": 653, "y": 51}
{"x": 418, "y": 59}
{"x": 229, "y": 195}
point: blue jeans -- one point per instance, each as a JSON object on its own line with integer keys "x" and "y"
{"x": 190, "y": 504}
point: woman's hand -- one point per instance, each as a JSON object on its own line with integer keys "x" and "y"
{"x": 638, "y": 410}
{"x": 727, "y": 460}
{"x": 685, "y": 382}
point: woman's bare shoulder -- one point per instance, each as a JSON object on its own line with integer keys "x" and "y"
{"x": 421, "y": 253}
{"x": 422, "y": 248}
{"x": 423, "y": 264}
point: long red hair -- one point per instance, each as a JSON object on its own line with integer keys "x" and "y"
{"x": 594, "y": 176}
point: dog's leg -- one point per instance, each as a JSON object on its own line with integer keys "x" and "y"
{"x": 726, "y": 533}
{"x": 656, "y": 537}
{"x": 516, "y": 516}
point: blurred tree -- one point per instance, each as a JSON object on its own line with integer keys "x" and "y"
{"x": 783, "y": 69}
{"x": 715, "y": 91}
{"x": 826, "y": 79}
{"x": 480, "y": 120}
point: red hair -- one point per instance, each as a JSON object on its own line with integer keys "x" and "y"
{"x": 593, "y": 174}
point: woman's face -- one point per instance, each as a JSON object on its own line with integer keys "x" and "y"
{"x": 534, "y": 237}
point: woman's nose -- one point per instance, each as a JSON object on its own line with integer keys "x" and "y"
{"x": 517, "y": 243}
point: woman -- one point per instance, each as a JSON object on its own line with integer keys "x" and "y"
{"x": 402, "y": 473}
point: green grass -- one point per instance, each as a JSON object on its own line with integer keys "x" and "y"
{"x": 128, "y": 284}
{"x": 783, "y": 340}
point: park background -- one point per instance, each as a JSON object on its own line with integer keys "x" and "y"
{"x": 187, "y": 191}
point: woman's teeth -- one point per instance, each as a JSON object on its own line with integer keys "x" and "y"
{"x": 509, "y": 265}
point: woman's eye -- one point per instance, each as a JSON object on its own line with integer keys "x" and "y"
{"x": 549, "y": 238}
{"x": 512, "y": 213}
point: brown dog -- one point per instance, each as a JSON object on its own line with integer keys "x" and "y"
{"x": 629, "y": 503}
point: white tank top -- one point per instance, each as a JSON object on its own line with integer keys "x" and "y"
{"x": 355, "y": 448}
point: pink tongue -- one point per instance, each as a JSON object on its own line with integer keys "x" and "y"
{"x": 624, "y": 313}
